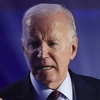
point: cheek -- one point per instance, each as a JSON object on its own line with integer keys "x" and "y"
{"x": 62, "y": 65}
{"x": 31, "y": 57}
{"x": 62, "y": 57}
{"x": 63, "y": 60}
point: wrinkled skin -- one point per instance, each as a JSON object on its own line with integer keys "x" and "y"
{"x": 47, "y": 49}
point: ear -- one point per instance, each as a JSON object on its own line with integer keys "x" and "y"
{"x": 74, "y": 48}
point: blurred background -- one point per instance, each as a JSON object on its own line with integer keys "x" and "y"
{"x": 87, "y": 17}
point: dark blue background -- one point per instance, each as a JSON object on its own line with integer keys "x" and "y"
{"x": 87, "y": 16}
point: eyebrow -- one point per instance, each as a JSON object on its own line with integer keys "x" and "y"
{"x": 53, "y": 38}
{"x": 47, "y": 38}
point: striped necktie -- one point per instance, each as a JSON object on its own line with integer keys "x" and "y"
{"x": 54, "y": 95}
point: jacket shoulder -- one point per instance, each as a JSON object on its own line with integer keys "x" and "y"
{"x": 84, "y": 81}
{"x": 94, "y": 82}
{"x": 19, "y": 89}
{"x": 10, "y": 90}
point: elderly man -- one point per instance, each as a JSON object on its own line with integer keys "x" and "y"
{"x": 49, "y": 43}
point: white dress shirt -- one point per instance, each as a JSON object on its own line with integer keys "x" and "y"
{"x": 43, "y": 92}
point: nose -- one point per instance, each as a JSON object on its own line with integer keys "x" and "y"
{"x": 43, "y": 51}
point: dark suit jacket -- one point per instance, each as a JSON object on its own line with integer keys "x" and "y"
{"x": 86, "y": 88}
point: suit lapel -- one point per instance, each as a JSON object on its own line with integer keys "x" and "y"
{"x": 27, "y": 90}
{"x": 83, "y": 90}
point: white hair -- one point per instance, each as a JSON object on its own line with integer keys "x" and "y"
{"x": 50, "y": 10}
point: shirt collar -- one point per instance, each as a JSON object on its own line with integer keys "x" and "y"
{"x": 66, "y": 87}
{"x": 43, "y": 92}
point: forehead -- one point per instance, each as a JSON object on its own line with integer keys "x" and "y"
{"x": 52, "y": 26}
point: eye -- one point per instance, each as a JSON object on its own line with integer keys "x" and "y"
{"x": 51, "y": 43}
{"x": 33, "y": 45}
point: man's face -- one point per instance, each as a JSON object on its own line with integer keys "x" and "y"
{"x": 48, "y": 51}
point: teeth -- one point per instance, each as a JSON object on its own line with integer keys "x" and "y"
{"x": 45, "y": 68}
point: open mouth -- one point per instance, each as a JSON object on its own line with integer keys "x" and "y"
{"x": 43, "y": 67}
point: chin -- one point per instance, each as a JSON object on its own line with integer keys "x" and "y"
{"x": 47, "y": 79}
{"x": 50, "y": 81}
{"x": 51, "y": 84}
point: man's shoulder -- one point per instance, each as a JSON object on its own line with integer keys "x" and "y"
{"x": 93, "y": 82}
{"x": 18, "y": 89}
{"x": 87, "y": 88}
{"x": 11, "y": 89}
{"x": 90, "y": 79}
{"x": 86, "y": 80}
